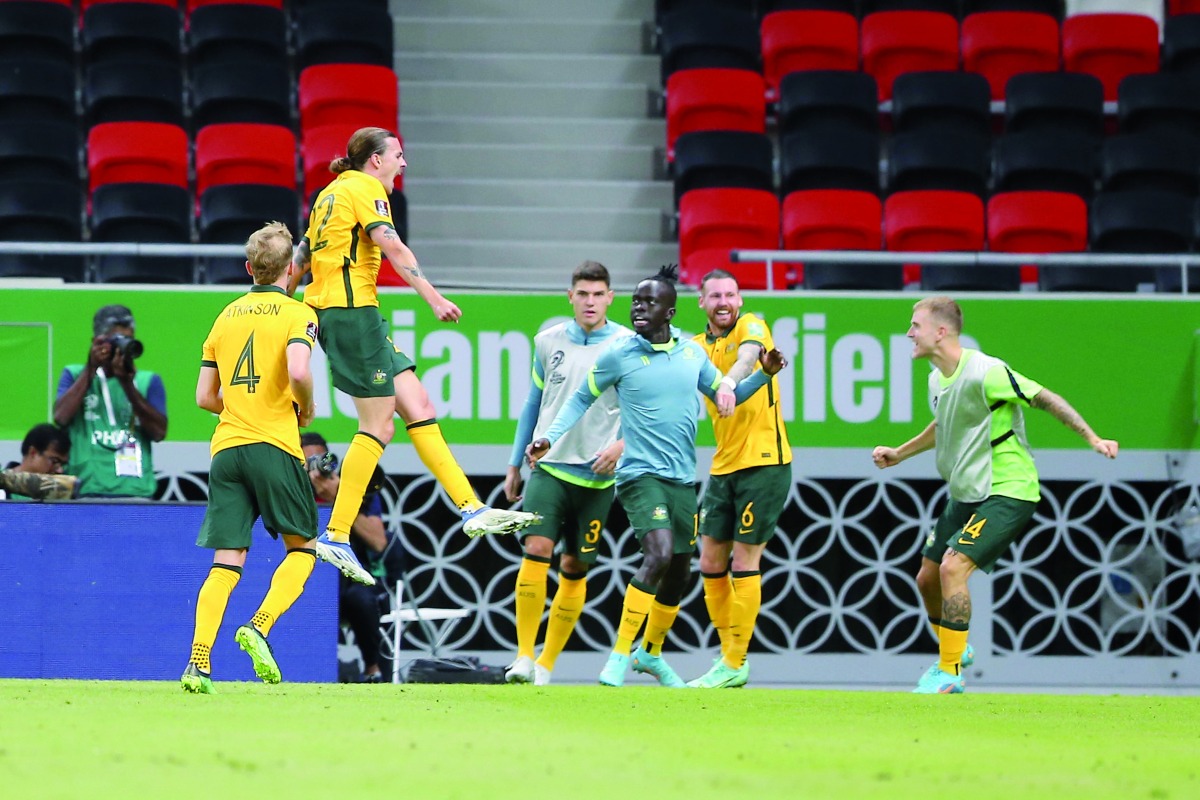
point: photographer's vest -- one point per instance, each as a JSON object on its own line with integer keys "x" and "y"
{"x": 97, "y": 439}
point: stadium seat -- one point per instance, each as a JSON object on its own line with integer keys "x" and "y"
{"x": 245, "y": 153}
{"x": 223, "y": 32}
{"x": 1055, "y": 101}
{"x": 1126, "y": 222}
{"x": 1181, "y": 45}
{"x": 195, "y": 5}
{"x": 829, "y": 157}
{"x": 939, "y": 6}
{"x": 131, "y": 31}
{"x": 721, "y": 37}
{"x": 958, "y": 101}
{"x": 362, "y": 93}
{"x": 1151, "y": 9}
{"x": 1152, "y": 161}
{"x": 934, "y": 220}
{"x": 1047, "y": 161}
{"x": 319, "y": 146}
{"x": 1181, "y": 8}
{"x": 1160, "y": 102}
{"x": 824, "y": 97}
{"x": 723, "y": 159}
{"x": 798, "y": 41}
{"x": 1051, "y": 8}
{"x": 37, "y": 30}
{"x": 1110, "y": 46}
{"x": 84, "y": 5}
{"x": 895, "y": 42}
{"x": 37, "y": 89}
{"x": 837, "y": 219}
{"x": 35, "y": 149}
{"x": 41, "y": 211}
{"x": 1036, "y": 222}
{"x": 714, "y": 221}
{"x": 231, "y": 212}
{"x": 242, "y": 91}
{"x": 714, "y": 99}
{"x": 1001, "y": 44}
{"x": 142, "y": 212}
{"x": 122, "y": 91}
{"x": 137, "y": 152}
{"x": 936, "y": 159}
{"x": 323, "y": 36}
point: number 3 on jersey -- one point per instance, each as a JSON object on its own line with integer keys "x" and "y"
{"x": 243, "y": 372}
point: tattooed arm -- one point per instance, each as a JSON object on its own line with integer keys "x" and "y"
{"x": 302, "y": 260}
{"x": 1062, "y": 411}
{"x": 405, "y": 263}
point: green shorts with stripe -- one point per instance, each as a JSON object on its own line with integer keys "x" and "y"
{"x": 652, "y": 504}
{"x": 253, "y": 480}
{"x": 745, "y": 506}
{"x": 980, "y": 531}
{"x": 572, "y": 514}
{"x": 362, "y": 358}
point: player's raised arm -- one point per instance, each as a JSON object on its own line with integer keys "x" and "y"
{"x": 404, "y": 261}
{"x": 1062, "y": 411}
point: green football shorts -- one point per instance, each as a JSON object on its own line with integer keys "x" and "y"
{"x": 745, "y": 506}
{"x": 253, "y": 480}
{"x": 980, "y": 531}
{"x": 362, "y": 359}
{"x": 572, "y": 514}
{"x": 652, "y": 503}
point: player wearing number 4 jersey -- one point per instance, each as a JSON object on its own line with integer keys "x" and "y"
{"x": 750, "y": 481}
{"x": 255, "y": 374}
{"x": 978, "y": 432}
{"x": 349, "y": 230}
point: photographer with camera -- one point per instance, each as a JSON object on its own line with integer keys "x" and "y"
{"x": 112, "y": 411}
{"x": 360, "y": 606}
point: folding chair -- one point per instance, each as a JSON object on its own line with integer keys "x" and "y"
{"x": 403, "y": 612}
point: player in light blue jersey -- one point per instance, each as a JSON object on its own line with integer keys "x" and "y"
{"x": 656, "y": 374}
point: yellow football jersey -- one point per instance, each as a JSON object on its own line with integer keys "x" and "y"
{"x": 248, "y": 346}
{"x": 754, "y": 436}
{"x": 345, "y": 261}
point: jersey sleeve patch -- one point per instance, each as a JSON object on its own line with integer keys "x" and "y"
{"x": 310, "y": 330}
{"x": 381, "y": 208}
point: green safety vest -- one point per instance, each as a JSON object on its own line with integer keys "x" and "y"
{"x": 95, "y": 440}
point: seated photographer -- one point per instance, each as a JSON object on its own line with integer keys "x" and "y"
{"x": 112, "y": 412}
{"x": 38, "y": 475}
{"x": 360, "y": 606}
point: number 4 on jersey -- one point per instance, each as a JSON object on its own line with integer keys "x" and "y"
{"x": 243, "y": 373}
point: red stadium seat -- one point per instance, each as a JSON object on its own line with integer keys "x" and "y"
{"x": 319, "y": 146}
{"x": 192, "y": 5}
{"x": 714, "y": 221}
{"x": 895, "y": 42}
{"x": 245, "y": 153}
{"x": 84, "y": 5}
{"x": 137, "y": 152}
{"x": 798, "y": 41}
{"x": 932, "y": 220}
{"x": 1000, "y": 44}
{"x": 1110, "y": 46}
{"x": 361, "y": 93}
{"x": 836, "y": 219}
{"x": 1036, "y": 222}
{"x": 1183, "y": 7}
{"x": 713, "y": 100}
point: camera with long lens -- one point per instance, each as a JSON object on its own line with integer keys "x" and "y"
{"x": 129, "y": 347}
{"x": 325, "y": 463}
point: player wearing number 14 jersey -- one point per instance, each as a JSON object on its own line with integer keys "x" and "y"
{"x": 255, "y": 373}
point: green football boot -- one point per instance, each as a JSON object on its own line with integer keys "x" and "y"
{"x": 196, "y": 682}
{"x": 259, "y": 650}
{"x": 657, "y": 666}
{"x": 720, "y": 676}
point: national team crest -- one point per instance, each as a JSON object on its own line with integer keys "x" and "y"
{"x": 660, "y": 513}
{"x": 379, "y": 378}
{"x": 929, "y": 539}
{"x": 381, "y": 208}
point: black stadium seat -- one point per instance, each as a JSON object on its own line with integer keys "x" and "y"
{"x": 142, "y": 212}
{"x": 730, "y": 159}
{"x": 41, "y": 211}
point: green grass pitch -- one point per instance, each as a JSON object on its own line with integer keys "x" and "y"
{"x": 92, "y": 739}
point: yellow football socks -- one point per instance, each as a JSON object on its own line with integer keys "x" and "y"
{"x": 287, "y": 584}
{"x": 935, "y": 625}
{"x": 718, "y": 597}
{"x": 210, "y": 610}
{"x": 633, "y": 614}
{"x": 951, "y": 646}
{"x": 530, "y": 602}
{"x": 565, "y": 611}
{"x": 659, "y": 621}
{"x": 747, "y": 599}
{"x": 426, "y": 437}
{"x": 357, "y": 467}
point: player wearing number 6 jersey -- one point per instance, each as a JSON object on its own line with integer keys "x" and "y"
{"x": 750, "y": 481}
{"x": 978, "y": 431}
{"x": 255, "y": 373}
{"x": 349, "y": 229}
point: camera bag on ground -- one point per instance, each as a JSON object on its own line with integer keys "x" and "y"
{"x": 457, "y": 669}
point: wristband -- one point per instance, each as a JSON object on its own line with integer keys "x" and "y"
{"x": 729, "y": 383}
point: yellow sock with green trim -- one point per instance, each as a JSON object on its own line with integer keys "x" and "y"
{"x": 747, "y": 599}
{"x": 357, "y": 468}
{"x": 210, "y": 610}
{"x": 950, "y": 649}
{"x": 287, "y": 584}
{"x": 633, "y": 613}
{"x": 659, "y": 621}
{"x": 718, "y": 598}
{"x": 426, "y": 437}
{"x": 565, "y": 610}
{"x": 935, "y": 625}
{"x": 530, "y": 601}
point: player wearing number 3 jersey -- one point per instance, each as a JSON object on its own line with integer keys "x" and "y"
{"x": 978, "y": 431}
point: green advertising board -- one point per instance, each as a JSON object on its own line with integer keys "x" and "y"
{"x": 1127, "y": 364}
